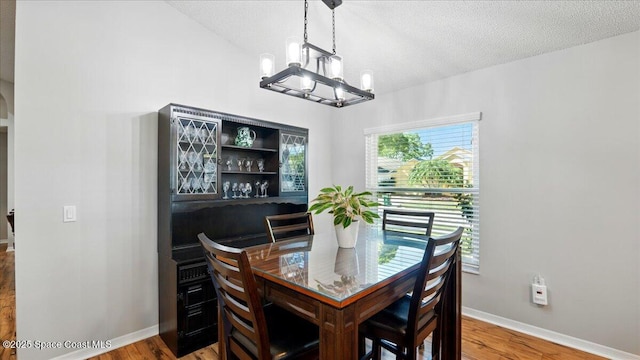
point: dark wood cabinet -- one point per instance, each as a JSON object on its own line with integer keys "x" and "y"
{"x": 201, "y": 155}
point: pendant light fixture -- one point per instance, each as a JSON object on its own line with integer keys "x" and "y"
{"x": 313, "y": 73}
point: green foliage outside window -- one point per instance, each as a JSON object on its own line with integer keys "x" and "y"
{"x": 403, "y": 146}
{"x": 427, "y": 173}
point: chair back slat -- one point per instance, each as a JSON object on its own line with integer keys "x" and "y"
{"x": 283, "y": 226}
{"x": 239, "y": 352}
{"x": 237, "y": 291}
{"x": 431, "y": 282}
{"x": 441, "y": 258}
{"x": 289, "y": 228}
{"x": 438, "y": 272}
{"x": 419, "y": 222}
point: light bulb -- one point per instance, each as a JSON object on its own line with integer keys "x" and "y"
{"x": 336, "y": 67}
{"x": 305, "y": 83}
{"x": 366, "y": 80}
{"x": 266, "y": 65}
{"x": 293, "y": 51}
{"x": 340, "y": 94}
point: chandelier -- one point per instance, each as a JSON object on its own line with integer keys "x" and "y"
{"x": 313, "y": 73}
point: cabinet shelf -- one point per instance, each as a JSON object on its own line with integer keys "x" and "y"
{"x": 236, "y": 172}
{"x": 193, "y": 206}
{"x": 235, "y": 147}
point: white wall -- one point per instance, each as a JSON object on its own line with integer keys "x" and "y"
{"x": 90, "y": 77}
{"x": 6, "y": 178}
{"x": 559, "y": 179}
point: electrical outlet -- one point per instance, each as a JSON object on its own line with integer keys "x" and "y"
{"x": 539, "y": 291}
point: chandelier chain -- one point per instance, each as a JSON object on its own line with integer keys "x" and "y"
{"x": 306, "y": 9}
{"x": 333, "y": 25}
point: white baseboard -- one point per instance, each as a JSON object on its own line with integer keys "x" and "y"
{"x": 115, "y": 343}
{"x": 572, "y": 342}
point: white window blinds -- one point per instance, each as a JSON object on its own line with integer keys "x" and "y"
{"x": 431, "y": 165}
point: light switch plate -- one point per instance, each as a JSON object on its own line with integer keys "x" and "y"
{"x": 69, "y": 213}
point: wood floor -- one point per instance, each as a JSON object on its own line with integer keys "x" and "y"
{"x": 7, "y": 301}
{"x": 480, "y": 340}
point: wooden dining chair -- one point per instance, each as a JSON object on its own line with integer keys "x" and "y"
{"x": 284, "y": 226}
{"x": 404, "y": 325}
{"x": 413, "y": 221}
{"x": 253, "y": 330}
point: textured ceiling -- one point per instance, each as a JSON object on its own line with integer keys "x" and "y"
{"x": 411, "y": 42}
{"x": 404, "y": 42}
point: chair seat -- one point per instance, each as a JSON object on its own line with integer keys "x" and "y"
{"x": 290, "y": 336}
{"x": 392, "y": 320}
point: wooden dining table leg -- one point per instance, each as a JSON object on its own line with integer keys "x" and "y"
{"x": 338, "y": 333}
{"x": 451, "y": 339}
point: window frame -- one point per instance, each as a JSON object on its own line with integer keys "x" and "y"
{"x": 470, "y": 263}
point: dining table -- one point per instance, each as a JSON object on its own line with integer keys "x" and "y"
{"x": 339, "y": 288}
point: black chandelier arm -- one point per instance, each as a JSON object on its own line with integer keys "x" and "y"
{"x": 300, "y": 72}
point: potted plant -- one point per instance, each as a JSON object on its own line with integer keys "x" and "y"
{"x": 347, "y": 208}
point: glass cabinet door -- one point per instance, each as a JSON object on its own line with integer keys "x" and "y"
{"x": 196, "y": 157}
{"x": 293, "y": 160}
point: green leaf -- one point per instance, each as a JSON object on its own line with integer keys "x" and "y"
{"x": 346, "y": 222}
{"x": 319, "y": 207}
{"x": 364, "y": 193}
{"x": 340, "y": 211}
{"x": 349, "y": 191}
{"x": 366, "y": 218}
{"x": 354, "y": 203}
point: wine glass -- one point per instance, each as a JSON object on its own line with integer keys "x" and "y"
{"x": 198, "y": 162}
{"x": 248, "y": 163}
{"x": 229, "y": 163}
{"x": 204, "y": 134}
{"x": 210, "y": 166}
{"x": 240, "y": 161}
{"x": 263, "y": 188}
{"x": 186, "y": 186}
{"x": 241, "y": 190}
{"x": 182, "y": 159}
{"x": 192, "y": 157}
{"x": 260, "y": 165}
{"x": 247, "y": 190}
{"x": 207, "y": 181}
{"x": 257, "y": 184}
{"x": 191, "y": 132}
{"x": 196, "y": 184}
{"x": 225, "y": 188}
{"x": 234, "y": 188}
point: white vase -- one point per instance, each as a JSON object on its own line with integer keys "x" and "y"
{"x": 346, "y": 262}
{"x": 348, "y": 236}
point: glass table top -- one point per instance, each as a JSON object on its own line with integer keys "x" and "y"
{"x": 317, "y": 264}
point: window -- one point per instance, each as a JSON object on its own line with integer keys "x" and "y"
{"x": 430, "y": 165}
